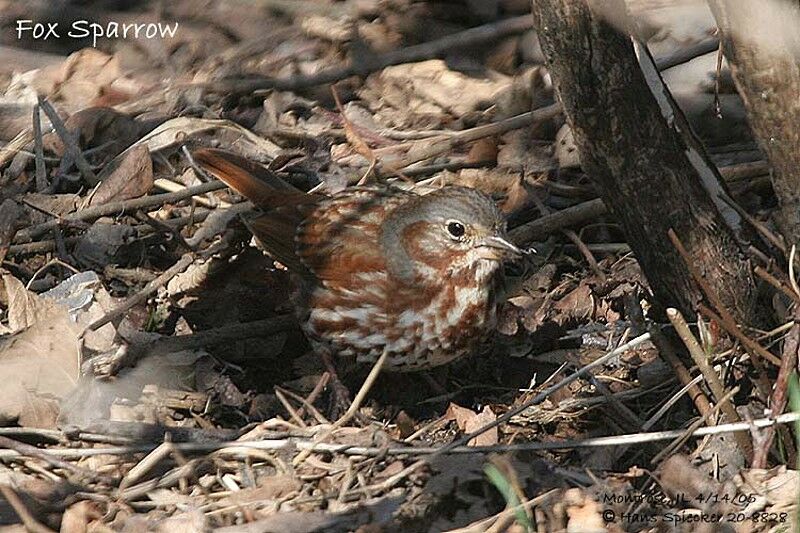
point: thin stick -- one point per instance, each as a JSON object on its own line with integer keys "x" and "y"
{"x": 41, "y": 170}
{"x": 26, "y": 450}
{"x": 171, "y": 186}
{"x": 305, "y": 404}
{"x": 314, "y": 394}
{"x": 70, "y": 143}
{"x": 571, "y": 216}
{"x": 355, "y": 405}
{"x": 779, "y": 395}
{"x": 585, "y": 252}
{"x": 289, "y": 409}
{"x": 141, "y": 296}
{"x": 543, "y": 395}
{"x": 752, "y": 346}
{"x": 792, "y": 277}
{"x": 778, "y": 284}
{"x": 650, "y": 422}
{"x": 117, "y": 208}
{"x": 290, "y": 444}
{"x": 667, "y": 352}
{"x": 411, "y": 54}
{"x": 691, "y": 430}
{"x": 571, "y": 235}
{"x": 717, "y": 389}
{"x": 761, "y": 228}
{"x": 420, "y": 150}
{"x": 146, "y": 465}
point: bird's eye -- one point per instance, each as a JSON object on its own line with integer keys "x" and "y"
{"x": 456, "y": 229}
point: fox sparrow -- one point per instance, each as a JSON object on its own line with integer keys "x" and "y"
{"x": 380, "y": 268}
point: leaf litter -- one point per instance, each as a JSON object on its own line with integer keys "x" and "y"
{"x": 194, "y": 401}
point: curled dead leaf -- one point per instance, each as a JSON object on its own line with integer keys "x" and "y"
{"x": 129, "y": 175}
{"x": 469, "y": 421}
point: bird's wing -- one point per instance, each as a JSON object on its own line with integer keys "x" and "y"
{"x": 339, "y": 240}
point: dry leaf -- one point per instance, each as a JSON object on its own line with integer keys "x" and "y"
{"x": 583, "y": 512}
{"x": 24, "y": 307}
{"x": 83, "y": 77}
{"x": 483, "y": 150}
{"x": 469, "y": 421}
{"x": 97, "y": 127}
{"x": 577, "y": 305}
{"x": 77, "y": 517}
{"x": 129, "y": 175}
{"x": 41, "y": 363}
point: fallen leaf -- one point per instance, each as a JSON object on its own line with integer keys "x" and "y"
{"x": 97, "y": 127}
{"x": 583, "y": 511}
{"x": 129, "y": 175}
{"x": 469, "y": 421}
{"x": 40, "y": 362}
{"x": 25, "y": 308}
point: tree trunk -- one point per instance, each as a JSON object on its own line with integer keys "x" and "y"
{"x": 761, "y": 43}
{"x": 639, "y": 163}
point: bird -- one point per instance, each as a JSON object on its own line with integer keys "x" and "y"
{"x": 378, "y": 268}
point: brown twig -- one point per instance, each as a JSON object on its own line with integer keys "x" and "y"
{"x": 41, "y": 170}
{"x": 416, "y": 151}
{"x": 779, "y": 394}
{"x": 355, "y": 405}
{"x": 761, "y": 228}
{"x": 32, "y": 451}
{"x": 305, "y": 404}
{"x": 752, "y": 346}
{"x": 697, "y": 424}
{"x": 744, "y": 171}
{"x": 572, "y": 236}
{"x": 725, "y": 319}
{"x": 141, "y": 296}
{"x": 70, "y": 143}
{"x": 666, "y": 351}
{"x": 776, "y": 283}
{"x": 118, "y": 208}
{"x": 546, "y": 225}
{"x": 411, "y": 54}
{"x": 50, "y": 245}
{"x": 293, "y": 414}
{"x": 700, "y": 359}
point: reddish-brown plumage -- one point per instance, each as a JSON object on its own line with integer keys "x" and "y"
{"x": 380, "y": 268}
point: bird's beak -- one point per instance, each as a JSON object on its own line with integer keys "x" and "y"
{"x": 498, "y": 248}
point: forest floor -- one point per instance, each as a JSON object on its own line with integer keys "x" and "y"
{"x": 156, "y": 379}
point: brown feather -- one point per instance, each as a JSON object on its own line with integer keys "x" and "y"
{"x": 255, "y": 182}
{"x": 282, "y": 207}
